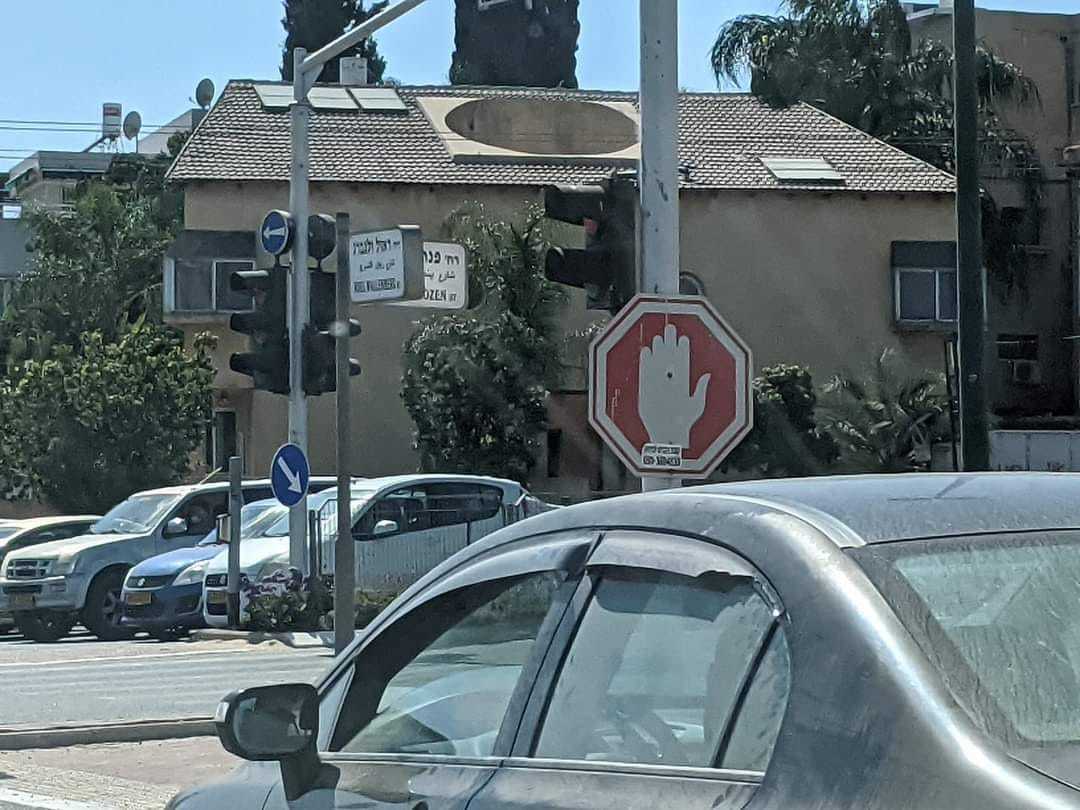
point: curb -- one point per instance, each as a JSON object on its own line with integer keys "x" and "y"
{"x": 296, "y": 641}
{"x": 15, "y": 739}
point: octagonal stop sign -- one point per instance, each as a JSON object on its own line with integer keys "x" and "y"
{"x": 669, "y": 386}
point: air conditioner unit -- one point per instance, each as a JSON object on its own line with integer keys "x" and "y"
{"x": 1027, "y": 372}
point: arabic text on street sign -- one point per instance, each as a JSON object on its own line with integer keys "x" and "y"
{"x": 289, "y": 475}
{"x": 386, "y": 265}
{"x": 446, "y": 283}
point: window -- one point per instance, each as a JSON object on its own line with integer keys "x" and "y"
{"x": 430, "y": 506}
{"x": 439, "y": 681}
{"x": 201, "y": 511}
{"x": 925, "y": 283}
{"x": 202, "y": 285}
{"x": 658, "y": 674}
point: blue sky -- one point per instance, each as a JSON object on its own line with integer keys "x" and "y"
{"x": 63, "y": 58}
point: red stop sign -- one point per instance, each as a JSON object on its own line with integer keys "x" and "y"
{"x": 670, "y": 386}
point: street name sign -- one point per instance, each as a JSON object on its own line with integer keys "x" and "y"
{"x": 386, "y": 265}
{"x": 446, "y": 282}
{"x": 289, "y": 475}
{"x": 669, "y": 386}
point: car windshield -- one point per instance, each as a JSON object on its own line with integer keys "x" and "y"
{"x": 997, "y": 615}
{"x": 139, "y": 513}
{"x": 8, "y": 531}
{"x": 325, "y": 506}
{"x": 254, "y": 521}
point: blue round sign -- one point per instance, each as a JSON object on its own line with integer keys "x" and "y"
{"x": 276, "y": 232}
{"x": 289, "y": 475}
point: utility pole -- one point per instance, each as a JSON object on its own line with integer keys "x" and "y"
{"x": 344, "y": 546}
{"x": 236, "y": 505}
{"x": 306, "y": 69}
{"x": 658, "y": 174}
{"x": 971, "y": 276}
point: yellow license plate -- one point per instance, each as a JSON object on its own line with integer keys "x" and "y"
{"x": 217, "y": 597}
{"x": 138, "y": 599}
{"x": 22, "y": 601}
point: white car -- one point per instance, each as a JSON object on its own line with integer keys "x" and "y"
{"x": 404, "y": 526}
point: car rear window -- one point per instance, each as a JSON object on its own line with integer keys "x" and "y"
{"x": 999, "y": 616}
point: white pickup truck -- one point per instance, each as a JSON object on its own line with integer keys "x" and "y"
{"x": 51, "y": 586}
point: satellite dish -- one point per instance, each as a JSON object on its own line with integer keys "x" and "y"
{"x": 132, "y": 125}
{"x": 204, "y": 93}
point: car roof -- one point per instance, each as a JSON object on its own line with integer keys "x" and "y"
{"x": 883, "y": 508}
{"x": 217, "y": 486}
{"x": 391, "y": 482}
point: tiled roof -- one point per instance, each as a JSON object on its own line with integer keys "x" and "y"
{"x": 722, "y": 138}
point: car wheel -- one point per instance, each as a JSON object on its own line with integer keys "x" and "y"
{"x": 45, "y": 626}
{"x": 103, "y": 609}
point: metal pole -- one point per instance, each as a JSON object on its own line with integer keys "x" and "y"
{"x": 236, "y": 504}
{"x": 299, "y": 293}
{"x": 974, "y": 416}
{"x": 659, "y": 170}
{"x": 344, "y": 548}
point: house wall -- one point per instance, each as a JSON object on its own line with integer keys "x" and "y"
{"x": 803, "y": 277}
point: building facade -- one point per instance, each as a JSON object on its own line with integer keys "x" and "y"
{"x": 818, "y": 243}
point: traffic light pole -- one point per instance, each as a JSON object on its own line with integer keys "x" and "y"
{"x": 299, "y": 298}
{"x": 306, "y": 69}
{"x": 974, "y": 414}
{"x": 659, "y": 170}
{"x": 344, "y": 546}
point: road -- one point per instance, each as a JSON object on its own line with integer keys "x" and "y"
{"x": 82, "y": 680}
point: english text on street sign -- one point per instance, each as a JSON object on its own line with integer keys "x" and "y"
{"x": 386, "y": 265}
{"x": 446, "y": 282}
{"x": 276, "y": 232}
{"x": 669, "y": 387}
{"x": 289, "y": 475}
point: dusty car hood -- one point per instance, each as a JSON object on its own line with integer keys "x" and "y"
{"x": 70, "y": 546}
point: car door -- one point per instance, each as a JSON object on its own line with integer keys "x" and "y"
{"x": 420, "y": 715}
{"x": 665, "y": 687}
{"x": 430, "y": 524}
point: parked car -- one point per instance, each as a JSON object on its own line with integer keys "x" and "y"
{"x": 163, "y": 595}
{"x": 52, "y": 586}
{"x": 15, "y": 534}
{"x": 405, "y": 525}
{"x": 875, "y": 642}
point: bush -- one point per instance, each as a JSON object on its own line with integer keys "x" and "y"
{"x": 286, "y": 600}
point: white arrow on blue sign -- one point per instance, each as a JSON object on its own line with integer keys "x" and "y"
{"x": 276, "y": 232}
{"x": 289, "y": 475}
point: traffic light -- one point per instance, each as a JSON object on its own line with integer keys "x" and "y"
{"x": 606, "y": 268}
{"x": 320, "y": 370}
{"x": 268, "y": 361}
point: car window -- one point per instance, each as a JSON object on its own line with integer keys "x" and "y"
{"x": 257, "y": 494}
{"x": 439, "y": 680}
{"x": 658, "y": 672}
{"x": 431, "y": 506}
{"x": 201, "y": 511}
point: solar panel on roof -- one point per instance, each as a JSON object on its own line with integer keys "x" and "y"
{"x": 802, "y": 170}
{"x": 331, "y": 98}
{"x": 378, "y": 99}
{"x": 275, "y": 96}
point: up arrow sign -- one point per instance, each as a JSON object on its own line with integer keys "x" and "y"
{"x": 289, "y": 475}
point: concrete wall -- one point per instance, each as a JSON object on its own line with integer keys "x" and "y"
{"x": 803, "y": 277}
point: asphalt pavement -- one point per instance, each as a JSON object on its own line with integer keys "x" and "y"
{"x": 84, "y": 681}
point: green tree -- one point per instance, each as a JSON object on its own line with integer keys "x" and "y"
{"x": 476, "y": 383}
{"x": 885, "y": 419}
{"x": 511, "y": 45}
{"x": 87, "y": 426}
{"x": 311, "y": 24}
{"x": 786, "y": 440}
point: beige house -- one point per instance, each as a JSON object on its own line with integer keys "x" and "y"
{"x": 817, "y": 242}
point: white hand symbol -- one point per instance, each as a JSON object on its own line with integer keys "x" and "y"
{"x": 667, "y": 408}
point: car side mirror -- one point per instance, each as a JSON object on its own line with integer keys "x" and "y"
{"x": 223, "y": 528}
{"x": 384, "y": 527}
{"x": 175, "y": 527}
{"x": 274, "y": 724}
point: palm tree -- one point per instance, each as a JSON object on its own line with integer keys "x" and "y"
{"x": 887, "y": 419}
{"x": 855, "y": 59}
